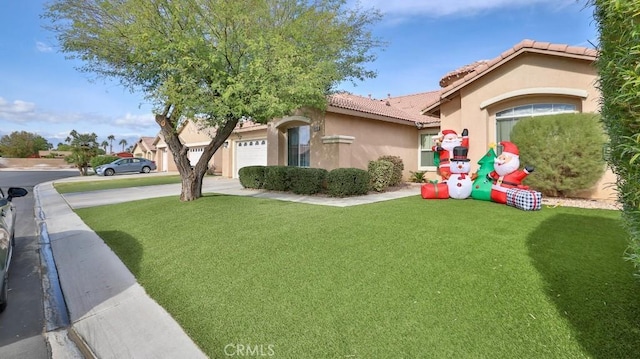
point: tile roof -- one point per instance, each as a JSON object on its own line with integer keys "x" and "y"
{"x": 482, "y": 67}
{"x": 148, "y": 142}
{"x": 405, "y": 108}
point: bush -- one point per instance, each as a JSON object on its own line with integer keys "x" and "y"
{"x": 343, "y": 182}
{"x": 380, "y": 172}
{"x": 102, "y": 160}
{"x": 398, "y": 167}
{"x": 276, "y": 178}
{"x": 565, "y": 150}
{"x": 307, "y": 180}
{"x": 252, "y": 176}
{"x": 418, "y": 176}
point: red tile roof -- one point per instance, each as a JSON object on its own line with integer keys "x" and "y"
{"x": 525, "y": 46}
{"x": 469, "y": 73}
{"x": 405, "y": 108}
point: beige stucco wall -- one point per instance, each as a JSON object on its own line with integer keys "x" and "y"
{"x": 343, "y": 140}
{"x": 521, "y": 81}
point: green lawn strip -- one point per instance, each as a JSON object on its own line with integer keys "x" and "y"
{"x": 86, "y": 186}
{"x": 404, "y": 278}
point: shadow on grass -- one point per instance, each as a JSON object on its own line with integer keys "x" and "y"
{"x": 126, "y": 247}
{"x": 580, "y": 259}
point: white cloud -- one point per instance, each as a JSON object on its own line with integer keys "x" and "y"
{"x": 437, "y": 8}
{"x": 16, "y": 111}
{"x": 42, "y": 47}
{"x": 137, "y": 122}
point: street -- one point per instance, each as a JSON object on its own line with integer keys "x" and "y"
{"x": 22, "y": 323}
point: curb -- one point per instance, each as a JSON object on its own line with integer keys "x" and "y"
{"x": 56, "y": 314}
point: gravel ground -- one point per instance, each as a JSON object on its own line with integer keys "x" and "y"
{"x": 581, "y": 203}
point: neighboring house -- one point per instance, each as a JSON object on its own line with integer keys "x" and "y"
{"x": 192, "y": 136}
{"x": 145, "y": 148}
{"x": 486, "y": 97}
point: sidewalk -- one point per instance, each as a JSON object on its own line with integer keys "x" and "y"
{"x": 110, "y": 314}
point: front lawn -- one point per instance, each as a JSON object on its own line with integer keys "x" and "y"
{"x": 407, "y": 278}
{"x": 112, "y": 183}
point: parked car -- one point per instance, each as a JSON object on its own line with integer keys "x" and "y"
{"x": 122, "y": 165}
{"x": 7, "y": 241}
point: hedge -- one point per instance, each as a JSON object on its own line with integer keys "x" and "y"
{"x": 343, "y": 182}
{"x": 307, "y": 180}
{"x": 398, "y": 167}
{"x": 252, "y": 176}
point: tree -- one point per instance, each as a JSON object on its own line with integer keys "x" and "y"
{"x": 22, "y": 144}
{"x": 123, "y": 142}
{"x": 619, "y": 83}
{"x": 84, "y": 147}
{"x": 111, "y": 138}
{"x": 104, "y": 145}
{"x": 217, "y": 62}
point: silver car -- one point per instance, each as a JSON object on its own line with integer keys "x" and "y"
{"x": 7, "y": 231}
{"x": 123, "y": 165}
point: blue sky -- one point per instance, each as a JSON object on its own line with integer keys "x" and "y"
{"x": 42, "y": 92}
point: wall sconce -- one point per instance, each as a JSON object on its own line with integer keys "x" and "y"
{"x": 315, "y": 127}
{"x": 226, "y": 144}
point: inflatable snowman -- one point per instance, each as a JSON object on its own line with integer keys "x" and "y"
{"x": 460, "y": 183}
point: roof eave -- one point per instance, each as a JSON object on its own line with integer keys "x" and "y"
{"x": 344, "y": 111}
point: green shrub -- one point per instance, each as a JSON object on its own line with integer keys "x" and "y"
{"x": 252, "y": 176}
{"x": 565, "y": 150}
{"x": 343, "y": 182}
{"x": 102, "y": 160}
{"x": 417, "y": 176}
{"x": 398, "y": 167}
{"x": 307, "y": 180}
{"x": 276, "y": 178}
{"x": 619, "y": 85}
{"x": 380, "y": 173}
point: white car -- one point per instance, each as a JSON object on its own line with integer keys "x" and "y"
{"x": 7, "y": 231}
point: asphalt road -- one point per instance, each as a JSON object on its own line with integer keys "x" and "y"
{"x": 22, "y": 323}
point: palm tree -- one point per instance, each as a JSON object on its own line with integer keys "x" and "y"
{"x": 111, "y": 138}
{"x": 104, "y": 145}
{"x": 123, "y": 142}
{"x": 83, "y": 148}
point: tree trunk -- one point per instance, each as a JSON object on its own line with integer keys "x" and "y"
{"x": 192, "y": 176}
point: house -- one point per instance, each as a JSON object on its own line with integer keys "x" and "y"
{"x": 487, "y": 98}
{"x": 195, "y": 138}
{"x": 144, "y": 148}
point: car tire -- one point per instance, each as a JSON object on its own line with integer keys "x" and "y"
{"x": 109, "y": 172}
{"x": 4, "y": 293}
{"x": 146, "y": 169}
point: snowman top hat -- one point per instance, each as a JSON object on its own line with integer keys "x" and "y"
{"x": 460, "y": 154}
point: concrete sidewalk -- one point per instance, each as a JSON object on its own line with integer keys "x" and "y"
{"x": 110, "y": 314}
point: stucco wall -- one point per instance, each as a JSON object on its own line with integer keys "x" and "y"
{"x": 34, "y": 163}
{"x": 474, "y": 107}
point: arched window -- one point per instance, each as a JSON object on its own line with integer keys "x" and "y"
{"x": 505, "y": 120}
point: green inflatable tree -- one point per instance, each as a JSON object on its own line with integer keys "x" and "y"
{"x": 482, "y": 186}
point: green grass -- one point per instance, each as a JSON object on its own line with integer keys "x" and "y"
{"x": 407, "y": 278}
{"x": 85, "y": 186}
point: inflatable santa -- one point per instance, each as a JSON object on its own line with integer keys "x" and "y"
{"x": 459, "y": 182}
{"x": 444, "y": 148}
{"x": 506, "y": 173}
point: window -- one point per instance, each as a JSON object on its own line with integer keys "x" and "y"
{"x": 298, "y": 139}
{"x": 505, "y": 120}
{"x": 426, "y": 152}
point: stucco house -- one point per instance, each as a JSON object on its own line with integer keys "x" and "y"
{"x": 487, "y": 97}
{"x": 144, "y": 148}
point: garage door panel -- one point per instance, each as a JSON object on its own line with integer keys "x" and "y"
{"x": 250, "y": 153}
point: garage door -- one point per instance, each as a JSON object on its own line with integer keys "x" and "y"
{"x": 250, "y": 153}
{"x": 194, "y": 154}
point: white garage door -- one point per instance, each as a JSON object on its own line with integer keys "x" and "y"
{"x": 250, "y": 153}
{"x": 194, "y": 155}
